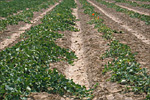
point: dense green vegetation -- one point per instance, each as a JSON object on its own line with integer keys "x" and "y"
{"x": 25, "y": 15}
{"x": 24, "y": 68}
{"x": 124, "y": 68}
{"x": 132, "y": 14}
{"x": 9, "y": 8}
{"x": 147, "y": 6}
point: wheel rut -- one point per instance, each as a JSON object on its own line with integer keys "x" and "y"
{"x": 77, "y": 72}
{"x": 120, "y": 22}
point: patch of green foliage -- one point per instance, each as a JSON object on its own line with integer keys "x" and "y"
{"x": 124, "y": 68}
{"x": 24, "y": 68}
{"x": 25, "y": 15}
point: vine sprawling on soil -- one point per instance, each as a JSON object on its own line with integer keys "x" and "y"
{"x": 124, "y": 68}
{"x": 24, "y": 68}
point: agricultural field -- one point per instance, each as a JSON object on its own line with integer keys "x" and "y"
{"x": 74, "y": 50}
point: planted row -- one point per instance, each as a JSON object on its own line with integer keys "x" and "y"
{"x": 24, "y": 68}
{"x": 13, "y": 6}
{"x": 132, "y": 14}
{"x": 25, "y": 15}
{"x": 124, "y": 68}
{"x": 147, "y": 6}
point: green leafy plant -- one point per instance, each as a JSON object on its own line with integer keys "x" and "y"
{"x": 24, "y": 68}
{"x": 124, "y": 68}
{"x": 25, "y": 15}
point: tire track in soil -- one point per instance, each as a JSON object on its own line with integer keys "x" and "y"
{"x": 6, "y": 42}
{"x": 77, "y": 72}
{"x": 120, "y": 22}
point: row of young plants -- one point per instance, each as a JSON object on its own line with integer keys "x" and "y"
{"x": 132, "y": 14}
{"x": 9, "y": 8}
{"x": 25, "y": 15}
{"x": 147, "y": 6}
{"x": 124, "y": 68}
{"x": 24, "y": 68}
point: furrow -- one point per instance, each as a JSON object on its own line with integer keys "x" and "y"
{"x": 21, "y": 30}
{"x": 117, "y": 20}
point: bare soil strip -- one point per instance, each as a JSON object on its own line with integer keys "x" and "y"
{"x": 135, "y": 10}
{"x": 114, "y": 18}
{"x": 77, "y": 72}
{"x": 21, "y": 30}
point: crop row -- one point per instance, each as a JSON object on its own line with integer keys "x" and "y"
{"x": 147, "y": 6}
{"x": 25, "y": 15}
{"x": 132, "y": 14}
{"x": 9, "y": 8}
{"x": 124, "y": 68}
{"x": 24, "y": 68}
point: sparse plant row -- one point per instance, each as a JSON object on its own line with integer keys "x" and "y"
{"x": 9, "y": 8}
{"x": 132, "y": 14}
{"x": 25, "y": 15}
{"x": 147, "y": 6}
{"x": 24, "y": 68}
{"x": 124, "y": 68}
